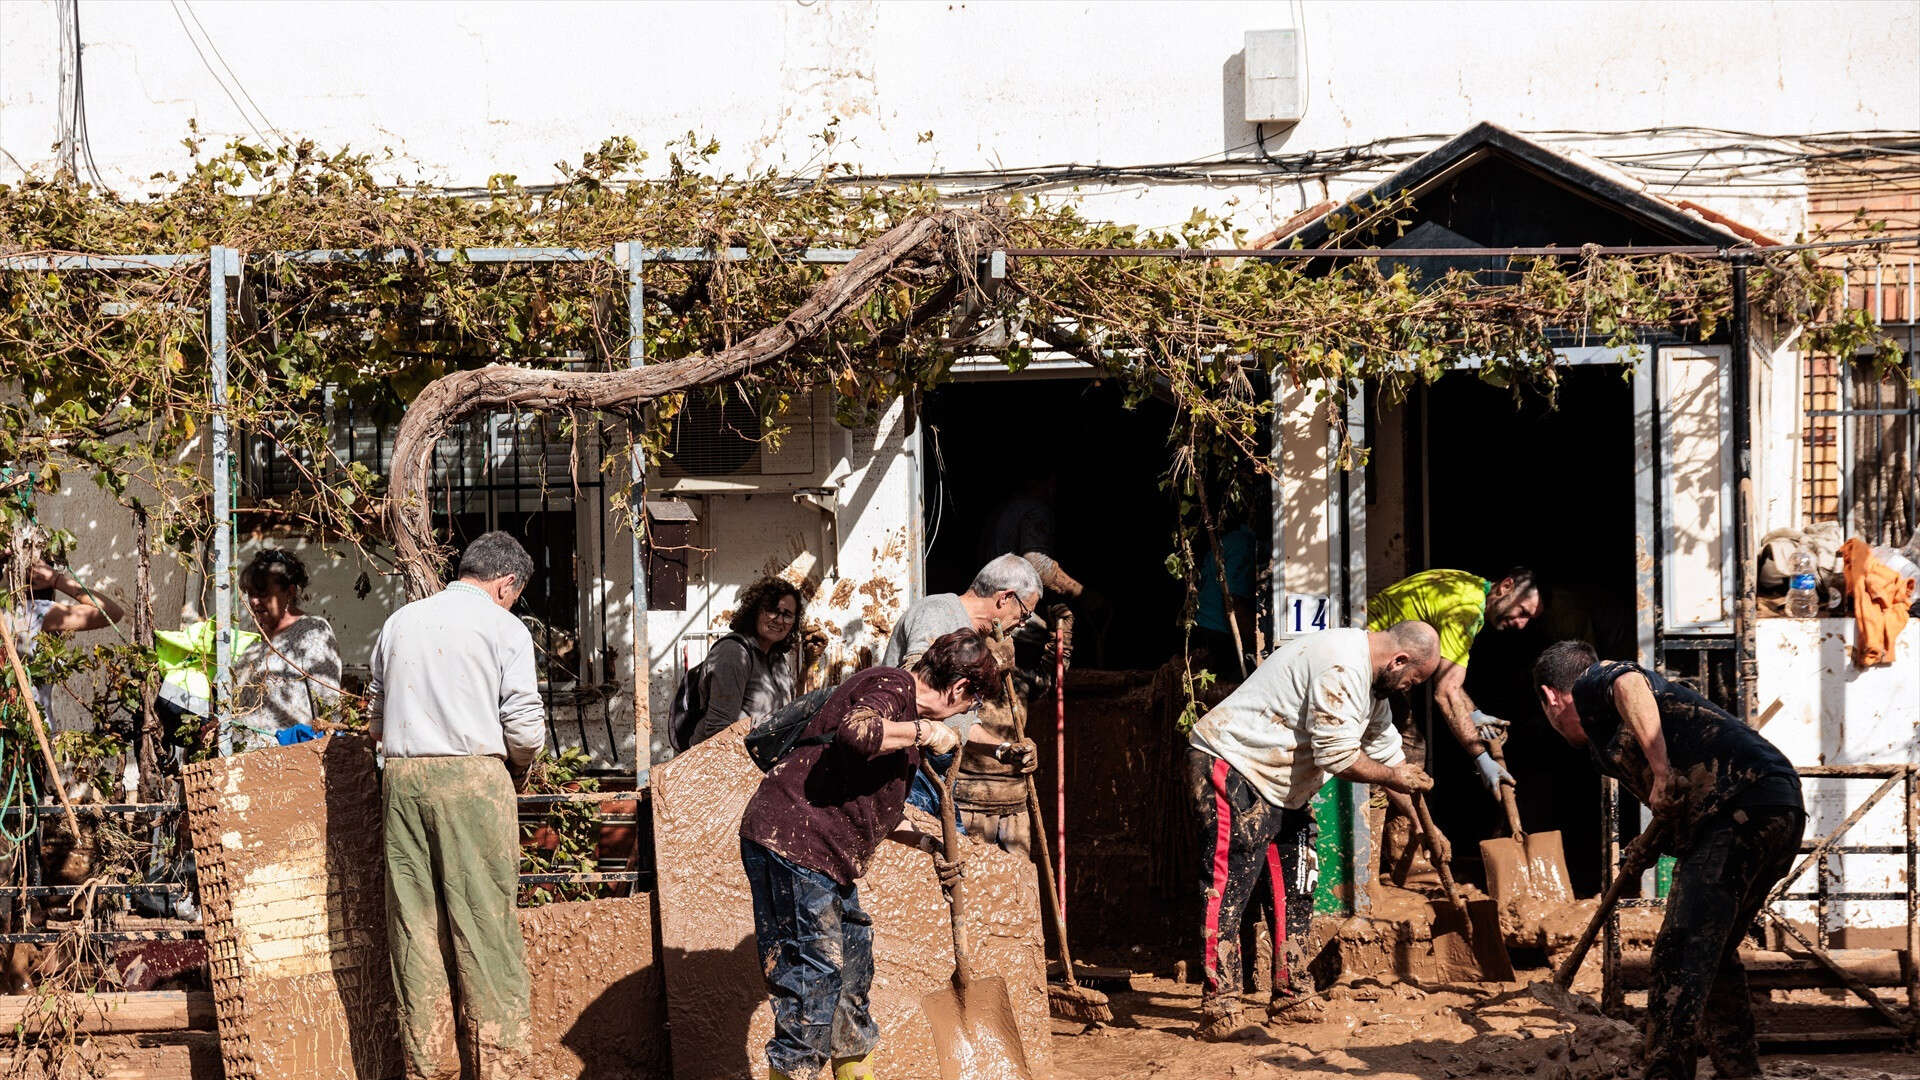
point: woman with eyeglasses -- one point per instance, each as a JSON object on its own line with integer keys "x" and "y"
{"x": 750, "y": 672}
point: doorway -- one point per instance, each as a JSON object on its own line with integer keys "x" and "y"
{"x": 1113, "y": 523}
{"x": 1491, "y": 477}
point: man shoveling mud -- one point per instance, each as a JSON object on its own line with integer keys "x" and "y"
{"x": 1732, "y": 807}
{"x": 1458, "y": 605}
{"x": 457, "y": 710}
{"x": 811, "y": 829}
{"x": 1315, "y": 707}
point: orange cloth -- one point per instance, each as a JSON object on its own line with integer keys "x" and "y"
{"x": 1880, "y": 601}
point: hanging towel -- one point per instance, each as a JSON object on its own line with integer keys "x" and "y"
{"x": 1880, "y": 601}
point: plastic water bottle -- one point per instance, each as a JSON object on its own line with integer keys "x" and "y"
{"x": 1803, "y": 587}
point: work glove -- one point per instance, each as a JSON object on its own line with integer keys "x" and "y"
{"x": 1022, "y": 755}
{"x": 1492, "y": 775}
{"x": 938, "y": 737}
{"x": 1490, "y": 728}
{"x": 948, "y": 872}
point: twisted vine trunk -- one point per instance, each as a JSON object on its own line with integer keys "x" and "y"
{"x": 949, "y": 239}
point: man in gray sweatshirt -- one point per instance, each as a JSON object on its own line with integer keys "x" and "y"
{"x": 457, "y": 711}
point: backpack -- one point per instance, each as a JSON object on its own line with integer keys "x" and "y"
{"x": 777, "y": 734}
{"x": 690, "y": 701}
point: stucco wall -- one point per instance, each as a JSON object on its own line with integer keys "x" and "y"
{"x": 462, "y": 92}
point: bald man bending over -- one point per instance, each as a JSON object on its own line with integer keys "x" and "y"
{"x": 1317, "y": 706}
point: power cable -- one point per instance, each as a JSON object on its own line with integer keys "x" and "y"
{"x": 175, "y": 4}
{"x": 82, "y": 137}
{"x": 230, "y": 72}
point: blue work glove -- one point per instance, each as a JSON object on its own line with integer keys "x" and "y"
{"x": 1491, "y": 774}
{"x": 298, "y": 733}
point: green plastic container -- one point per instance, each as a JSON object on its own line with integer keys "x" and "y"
{"x": 1663, "y": 876}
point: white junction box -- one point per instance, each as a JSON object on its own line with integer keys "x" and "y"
{"x": 1275, "y": 92}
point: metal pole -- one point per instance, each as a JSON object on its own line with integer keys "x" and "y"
{"x": 636, "y": 509}
{"x": 217, "y": 265}
{"x": 1913, "y": 883}
{"x": 1746, "y": 610}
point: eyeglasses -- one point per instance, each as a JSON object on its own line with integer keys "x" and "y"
{"x": 783, "y": 615}
{"x": 1025, "y": 611}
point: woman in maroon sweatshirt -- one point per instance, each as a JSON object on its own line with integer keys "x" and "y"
{"x": 811, "y": 830}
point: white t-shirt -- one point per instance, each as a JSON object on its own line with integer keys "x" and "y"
{"x": 1307, "y": 711}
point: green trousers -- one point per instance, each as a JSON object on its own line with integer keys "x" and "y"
{"x": 459, "y": 963}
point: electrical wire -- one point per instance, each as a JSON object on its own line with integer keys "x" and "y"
{"x": 197, "y": 51}
{"x": 230, "y": 72}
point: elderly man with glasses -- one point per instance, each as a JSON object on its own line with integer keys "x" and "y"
{"x": 991, "y": 789}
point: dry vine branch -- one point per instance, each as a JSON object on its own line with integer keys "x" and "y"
{"x": 948, "y": 240}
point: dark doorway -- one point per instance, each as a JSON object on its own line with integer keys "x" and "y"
{"x": 1114, "y": 525}
{"x": 1498, "y": 480}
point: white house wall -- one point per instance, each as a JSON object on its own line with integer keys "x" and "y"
{"x": 462, "y": 92}
{"x": 859, "y": 584}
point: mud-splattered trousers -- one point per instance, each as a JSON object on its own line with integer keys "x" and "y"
{"x": 1243, "y": 839}
{"x": 1698, "y": 993}
{"x": 816, "y": 950}
{"x": 452, "y": 854}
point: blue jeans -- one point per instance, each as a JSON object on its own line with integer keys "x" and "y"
{"x": 816, "y": 947}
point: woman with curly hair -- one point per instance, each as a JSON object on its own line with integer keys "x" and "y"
{"x": 750, "y": 672}
{"x": 287, "y": 678}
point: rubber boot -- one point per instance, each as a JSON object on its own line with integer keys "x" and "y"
{"x": 860, "y": 1068}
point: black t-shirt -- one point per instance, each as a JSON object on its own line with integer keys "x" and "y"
{"x": 1727, "y": 764}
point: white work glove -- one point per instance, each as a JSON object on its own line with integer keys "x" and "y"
{"x": 1491, "y": 774}
{"x": 1489, "y": 728}
{"x": 938, "y": 737}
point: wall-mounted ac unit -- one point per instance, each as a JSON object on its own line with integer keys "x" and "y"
{"x": 720, "y": 446}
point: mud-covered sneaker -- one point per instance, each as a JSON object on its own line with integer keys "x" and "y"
{"x": 1295, "y": 1007}
{"x": 1228, "y": 1027}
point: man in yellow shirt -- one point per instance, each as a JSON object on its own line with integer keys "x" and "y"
{"x": 1459, "y": 605}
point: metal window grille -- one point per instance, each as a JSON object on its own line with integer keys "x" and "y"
{"x": 537, "y": 475}
{"x": 1861, "y": 437}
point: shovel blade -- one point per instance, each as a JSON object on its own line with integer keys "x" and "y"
{"x": 1489, "y": 944}
{"x": 1547, "y": 867}
{"x": 1509, "y": 870}
{"x": 1470, "y": 950}
{"x": 975, "y": 1033}
{"x": 1453, "y": 955}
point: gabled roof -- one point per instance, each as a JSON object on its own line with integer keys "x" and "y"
{"x": 1591, "y": 180}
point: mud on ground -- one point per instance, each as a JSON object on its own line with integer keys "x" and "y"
{"x": 1386, "y": 1029}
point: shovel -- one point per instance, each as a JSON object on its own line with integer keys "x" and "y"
{"x": 1634, "y": 861}
{"x": 974, "y": 1031}
{"x": 1524, "y": 865}
{"x": 1466, "y": 936}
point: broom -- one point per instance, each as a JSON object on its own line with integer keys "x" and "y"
{"x": 1071, "y": 1001}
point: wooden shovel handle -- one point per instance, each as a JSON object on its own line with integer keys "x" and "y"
{"x": 25, "y": 686}
{"x": 1037, "y": 829}
{"x": 1633, "y": 862}
{"x": 1497, "y": 748}
{"x": 956, "y": 903}
{"x": 1438, "y": 847}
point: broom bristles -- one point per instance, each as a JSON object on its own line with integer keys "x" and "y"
{"x": 1079, "y": 1004}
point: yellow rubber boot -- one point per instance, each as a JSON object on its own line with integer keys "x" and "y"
{"x": 776, "y": 1074}
{"x": 860, "y": 1068}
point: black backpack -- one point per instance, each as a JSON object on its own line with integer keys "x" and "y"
{"x": 690, "y": 702}
{"x": 777, "y": 734}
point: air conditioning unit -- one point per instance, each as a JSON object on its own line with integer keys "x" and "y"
{"x": 720, "y": 446}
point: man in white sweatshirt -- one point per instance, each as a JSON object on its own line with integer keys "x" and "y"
{"x": 1316, "y": 707}
{"x": 457, "y": 710}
